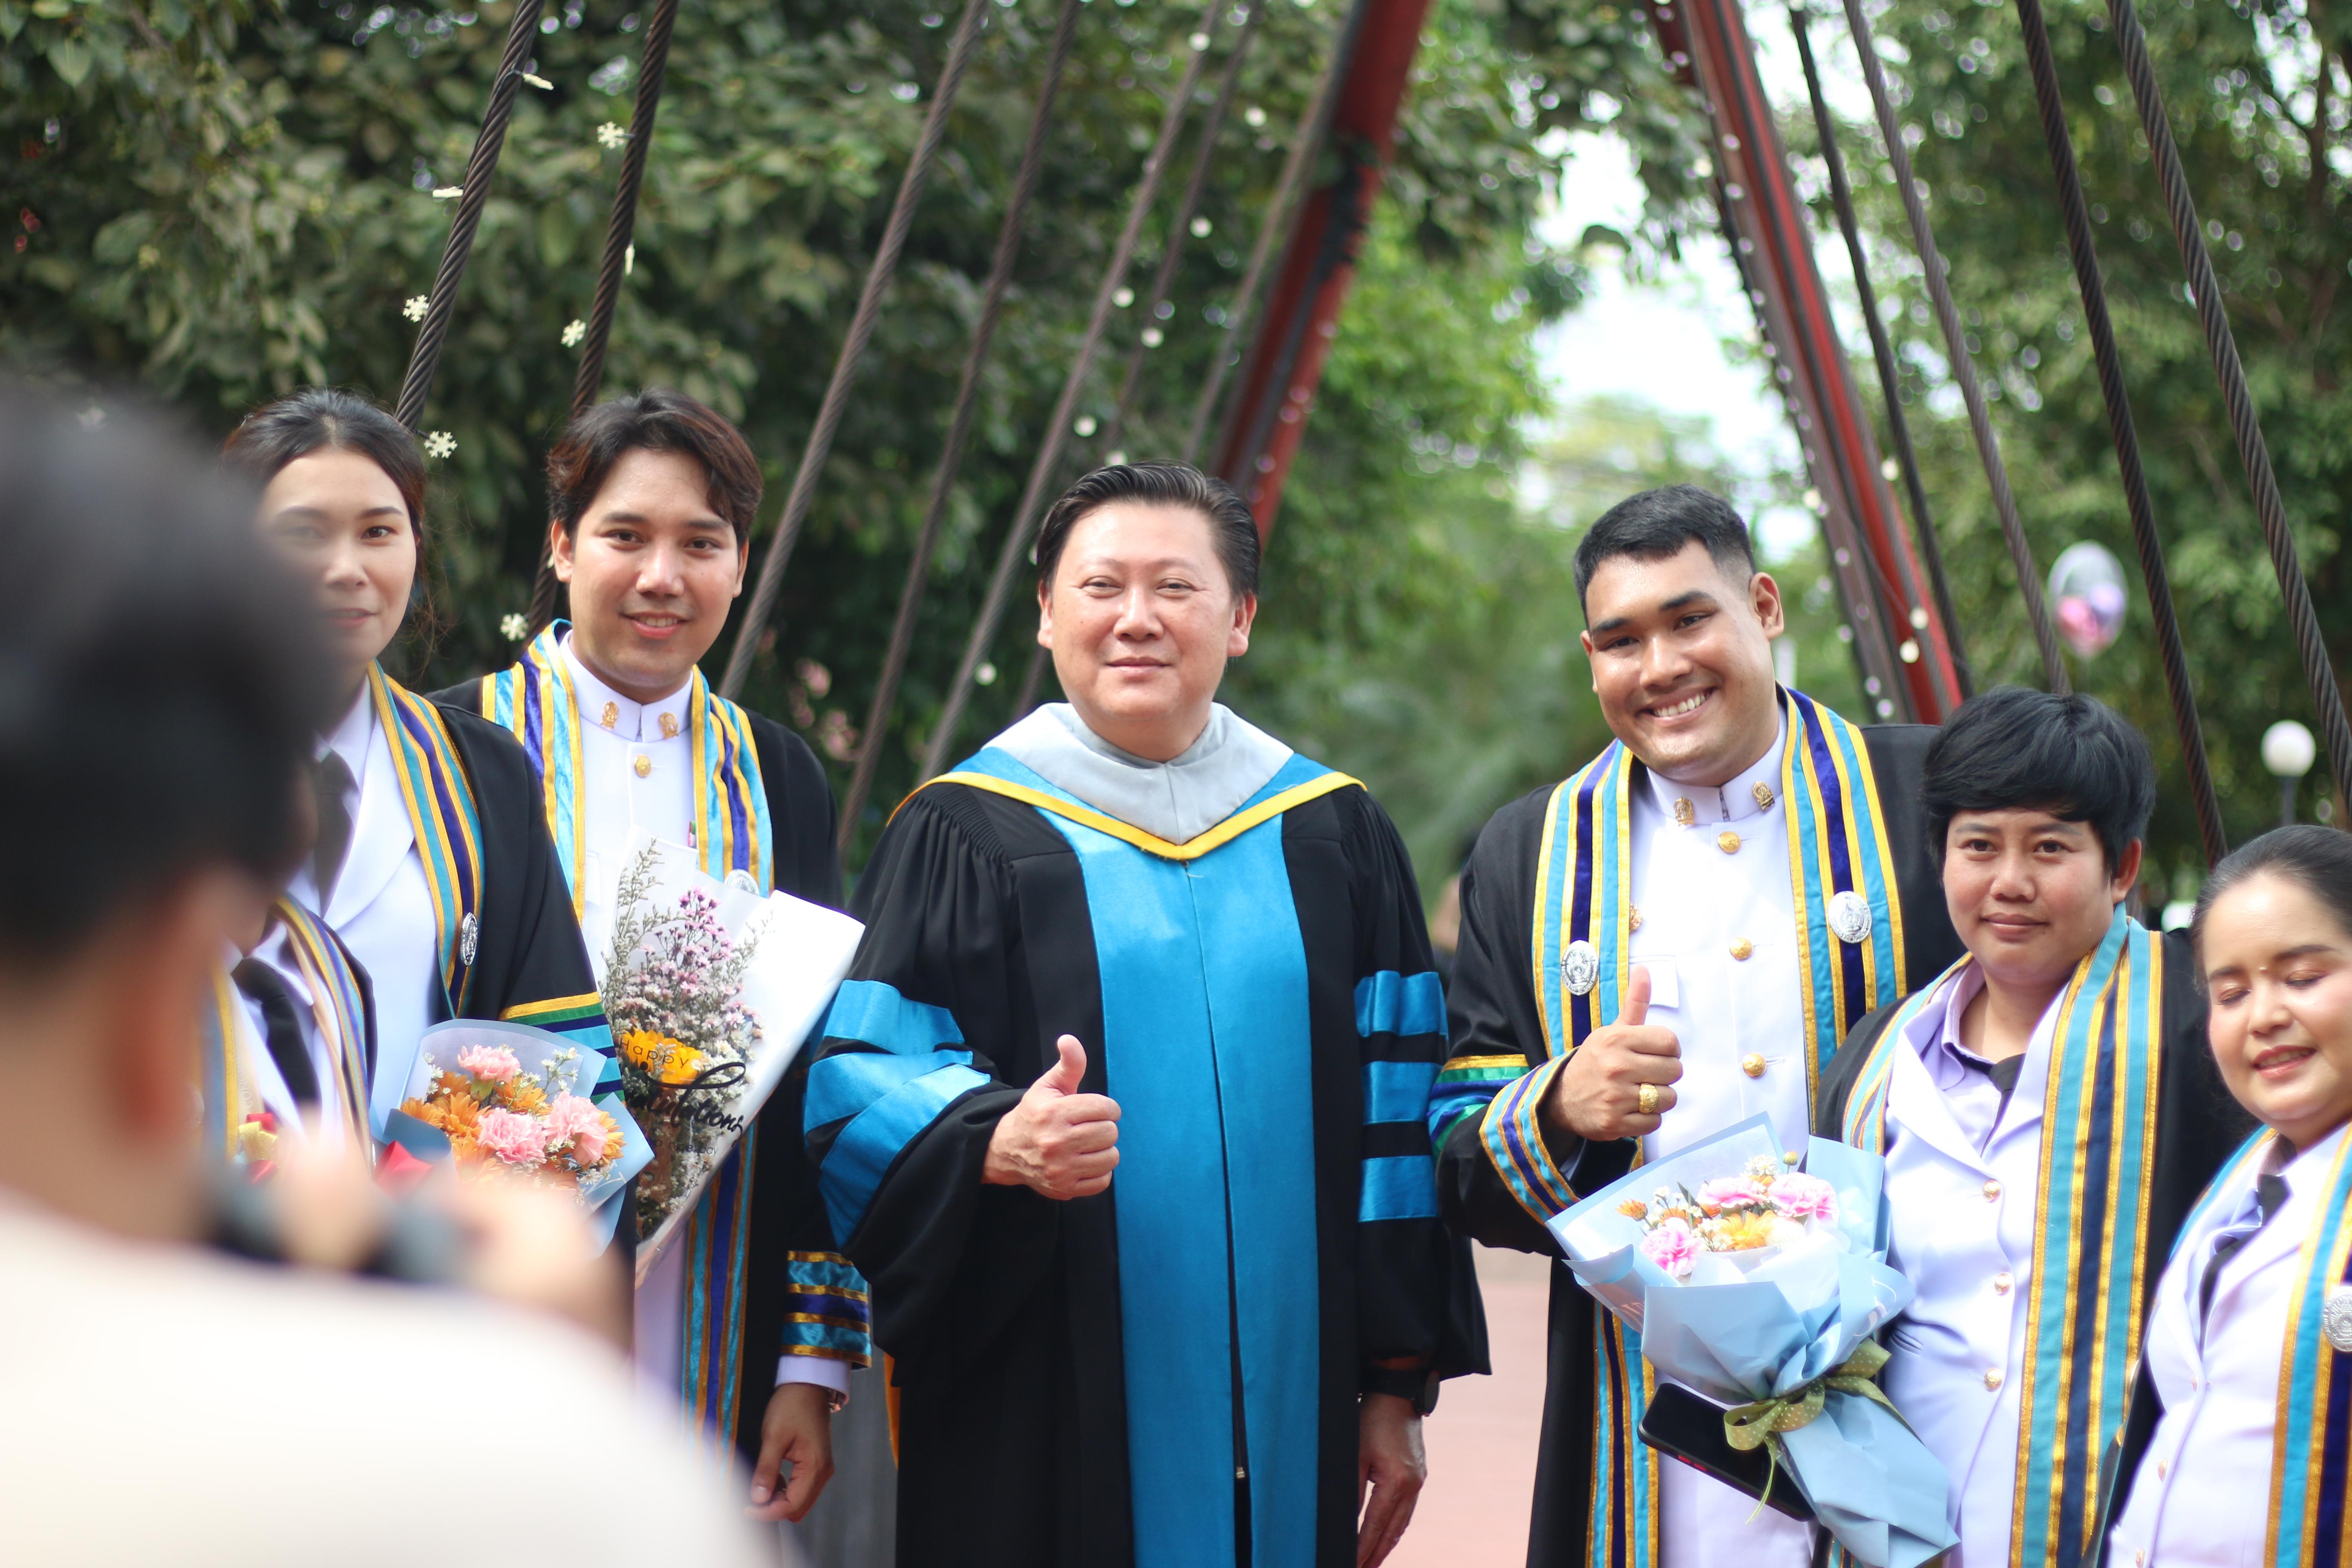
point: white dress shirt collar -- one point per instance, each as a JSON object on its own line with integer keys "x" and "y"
{"x": 1755, "y": 790}
{"x": 600, "y": 705}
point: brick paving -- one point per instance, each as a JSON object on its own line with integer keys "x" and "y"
{"x": 1482, "y": 1436}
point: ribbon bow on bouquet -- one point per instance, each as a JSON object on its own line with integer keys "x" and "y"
{"x": 1755, "y": 1281}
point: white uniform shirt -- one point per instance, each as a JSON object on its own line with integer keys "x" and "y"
{"x": 2198, "y": 1494}
{"x": 1719, "y": 938}
{"x": 1961, "y": 1176}
{"x": 380, "y": 904}
{"x": 636, "y": 763}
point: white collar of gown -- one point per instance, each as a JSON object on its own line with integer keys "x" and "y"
{"x": 1177, "y": 800}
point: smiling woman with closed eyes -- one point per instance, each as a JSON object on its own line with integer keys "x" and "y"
{"x": 2240, "y": 1397}
{"x": 433, "y": 861}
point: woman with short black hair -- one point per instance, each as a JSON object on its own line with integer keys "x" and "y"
{"x": 432, "y": 862}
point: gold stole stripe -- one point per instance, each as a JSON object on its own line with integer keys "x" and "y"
{"x": 224, "y": 1077}
{"x": 338, "y": 1005}
{"x": 2309, "y": 1521}
{"x": 1192, "y": 849}
{"x": 441, "y": 814}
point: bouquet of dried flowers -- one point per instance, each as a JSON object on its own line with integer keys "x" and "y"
{"x": 1766, "y": 1206}
{"x": 672, "y": 985}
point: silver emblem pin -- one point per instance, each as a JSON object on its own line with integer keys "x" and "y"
{"x": 1580, "y": 968}
{"x": 2335, "y": 1317}
{"x": 469, "y": 938}
{"x": 741, "y": 880}
{"x": 1849, "y": 917}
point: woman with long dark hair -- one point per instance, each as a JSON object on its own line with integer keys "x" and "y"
{"x": 433, "y": 862}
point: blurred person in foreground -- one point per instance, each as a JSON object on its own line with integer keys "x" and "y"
{"x": 156, "y": 695}
{"x": 754, "y": 1321}
{"x": 1120, "y": 1106}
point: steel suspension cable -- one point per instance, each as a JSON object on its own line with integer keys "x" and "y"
{"x": 1179, "y": 223}
{"x": 2087, "y": 278}
{"x": 853, "y": 350}
{"x": 1049, "y": 449}
{"x": 1898, "y": 427}
{"x": 2244, "y": 422}
{"x": 619, "y": 239}
{"x": 967, "y": 406}
{"x": 1956, "y": 343}
{"x": 1321, "y": 101}
{"x": 442, "y": 303}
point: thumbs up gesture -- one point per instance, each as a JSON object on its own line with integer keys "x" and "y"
{"x": 1057, "y": 1142}
{"x": 1598, "y": 1094}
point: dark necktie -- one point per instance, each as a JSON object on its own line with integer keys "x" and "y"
{"x": 331, "y": 779}
{"x": 2269, "y": 1196}
{"x": 2003, "y": 1073}
{"x": 283, "y": 1029}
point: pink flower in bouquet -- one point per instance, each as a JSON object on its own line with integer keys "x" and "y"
{"x": 513, "y": 1137}
{"x": 575, "y": 1127}
{"x": 1731, "y": 1192}
{"x": 1801, "y": 1196}
{"x": 1672, "y": 1248}
{"x": 489, "y": 1064}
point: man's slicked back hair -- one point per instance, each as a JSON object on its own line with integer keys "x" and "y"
{"x": 1659, "y": 524}
{"x": 654, "y": 420}
{"x": 1231, "y": 525}
{"x": 161, "y": 676}
{"x": 2013, "y": 749}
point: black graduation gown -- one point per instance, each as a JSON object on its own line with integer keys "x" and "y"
{"x": 786, "y": 1214}
{"x": 2197, "y": 1127}
{"x": 1002, "y": 1308}
{"x": 1495, "y": 1012}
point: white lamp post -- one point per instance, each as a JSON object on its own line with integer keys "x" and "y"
{"x": 2288, "y": 752}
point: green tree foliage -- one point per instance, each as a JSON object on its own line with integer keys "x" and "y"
{"x": 228, "y": 200}
{"x": 2258, "y": 93}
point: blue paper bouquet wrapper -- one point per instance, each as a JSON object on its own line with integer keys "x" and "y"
{"x": 1758, "y": 1326}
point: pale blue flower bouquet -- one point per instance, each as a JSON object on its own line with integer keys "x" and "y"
{"x": 1754, "y": 1274}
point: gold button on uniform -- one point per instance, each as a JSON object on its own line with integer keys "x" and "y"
{"x": 1752, "y": 1065}
{"x": 1992, "y": 1377}
{"x": 1633, "y": 920}
{"x": 2001, "y": 1283}
{"x": 2161, "y": 1470}
{"x": 1741, "y": 948}
{"x": 1991, "y": 1191}
{"x": 1727, "y": 841}
{"x": 644, "y": 765}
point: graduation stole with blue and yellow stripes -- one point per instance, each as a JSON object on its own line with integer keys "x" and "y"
{"x": 224, "y": 1084}
{"x": 441, "y": 814}
{"x": 536, "y": 700}
{"x": 2090, "y": 1226}
{"x": 1583, "y": 937}
{"x": 2311, "y": 1443}
{"x": 336, "y": 988}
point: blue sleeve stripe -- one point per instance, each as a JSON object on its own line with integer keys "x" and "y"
{"x": 1393, "y": 1003}
{"x": 828, "y": 1341}
{"x": 831, "y": 1275}
{"x": 874, "y": 1012}
{"x": 861, "y": 1154}
{"x": 1452, "y": 1102}
{"x": 1397, "y": 1092}
{"x": 843, "y": 1085}
{"x": 842, "y": 1309}
{"x": 1398, "y": 1186}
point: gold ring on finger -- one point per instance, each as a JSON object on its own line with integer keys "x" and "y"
{"x": 1647, "y": 1100}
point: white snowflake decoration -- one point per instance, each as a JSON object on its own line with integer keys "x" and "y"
{"x": 610, "y": 135}
{"x": 417, "y": 307}
{"x": 573, "y": 333}
{"x": 440, "y": 444}
{"x": 515, "y": 628}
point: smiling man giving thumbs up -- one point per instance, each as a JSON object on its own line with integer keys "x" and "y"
{"x": 1120, "y": 1110}
{"x": 1668, "y": 943}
